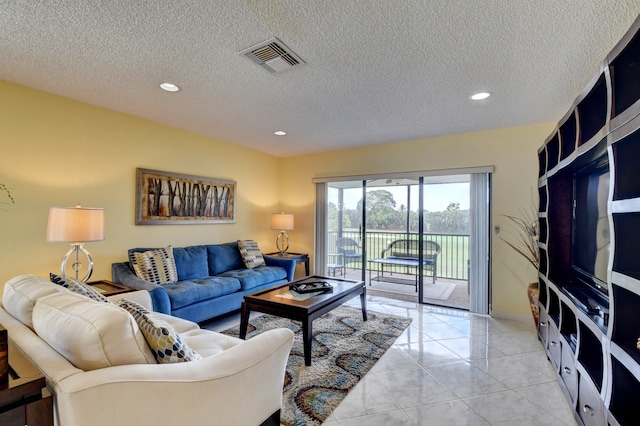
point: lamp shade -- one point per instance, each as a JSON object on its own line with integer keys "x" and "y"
{"x": 282, "y": 221}
{"x": 75, "y": 224}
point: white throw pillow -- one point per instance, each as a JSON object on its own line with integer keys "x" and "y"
{"x": 90, "y": 334}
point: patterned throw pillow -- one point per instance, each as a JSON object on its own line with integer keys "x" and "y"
{"x": 156, "y": 266}
{"x": 79, "y": 287}
{"x": 163, "y": 340}
{"x": 251, "y": 254}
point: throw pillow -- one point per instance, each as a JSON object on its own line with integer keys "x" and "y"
{"x": 79, "y": 287}
{"x": 156, "y": 266}
{"x": 251, "y": 254}
{"x": 163, "y": 340}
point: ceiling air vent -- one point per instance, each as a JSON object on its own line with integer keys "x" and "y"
{"x": 272, "y": 55}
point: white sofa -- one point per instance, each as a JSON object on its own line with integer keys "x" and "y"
{"x": 236, "y": 382}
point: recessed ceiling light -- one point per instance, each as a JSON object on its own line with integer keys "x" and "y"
{"x": 169, "y": 87}
{"x": 279, "y": 133}
{"x": 480, "y": 96}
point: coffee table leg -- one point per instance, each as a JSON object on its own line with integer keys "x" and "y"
{"x": 363, "y": 302}
{"x": 244, "y": 320}
{"x": 307, "y": 334}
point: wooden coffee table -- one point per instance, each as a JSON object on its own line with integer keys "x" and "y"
{"x": 283, "y": 302}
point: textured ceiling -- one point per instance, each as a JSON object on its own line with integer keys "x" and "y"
{"x": 376, "y": 71}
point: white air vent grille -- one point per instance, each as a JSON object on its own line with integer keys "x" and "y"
{"x": 272, "y": 55}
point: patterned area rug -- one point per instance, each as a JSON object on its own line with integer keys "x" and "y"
{"x": 344, "y": 349}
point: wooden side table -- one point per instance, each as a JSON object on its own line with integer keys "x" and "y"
{"x": 108, "y": 288}
{"x": 298, "y": 257}
{"x": 25, "y": 400}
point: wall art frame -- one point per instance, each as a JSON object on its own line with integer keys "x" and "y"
{"x": 165, "y": 198}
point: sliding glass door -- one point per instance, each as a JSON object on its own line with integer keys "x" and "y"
{"x": 345, "y": 236}
{"x": 446, "y": 226}
{"x": 419, "y": 238}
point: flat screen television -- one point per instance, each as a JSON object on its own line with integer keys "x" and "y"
{"x": 590, "y": 233}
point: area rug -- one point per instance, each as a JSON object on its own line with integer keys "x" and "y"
{"x": 343, "y": 350}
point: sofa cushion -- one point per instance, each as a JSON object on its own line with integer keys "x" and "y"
{"x": 79, "y": 287}
{"x": 163, "y": 340}
{"x": 191, "y": 262}
{"x": 251, "y": 254}
{"x": 180, "y": 325}
{"x": 184, "y": 293}
{"x": 21, "y": 294}
{"x": 90, "y": 334}
{"x": 208, "y": 343}
{"x": 251, "y": 278}
{"x": 224, "y": 257}
{"x": 156, "y": 265}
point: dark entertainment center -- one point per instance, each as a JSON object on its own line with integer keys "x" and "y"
{"x": 589, "y": 215}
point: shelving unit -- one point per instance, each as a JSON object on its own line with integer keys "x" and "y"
{"x": 594, "y": 354}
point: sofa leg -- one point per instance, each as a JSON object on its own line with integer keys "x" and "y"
{"x": 273, "y": 420}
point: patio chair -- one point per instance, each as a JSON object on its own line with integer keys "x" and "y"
{"x": 349, "y": 249}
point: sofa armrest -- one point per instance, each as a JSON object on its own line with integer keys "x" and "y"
{"x": 240, "y": 386}
{"x": 121, "y": 273}
{"x": 289, "y": 265}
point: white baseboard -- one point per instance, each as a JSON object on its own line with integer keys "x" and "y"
{"x": 515, "y": 317}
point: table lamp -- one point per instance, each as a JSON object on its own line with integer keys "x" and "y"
{"x": 283, "y": 222}
{"x": 76, "y": 225}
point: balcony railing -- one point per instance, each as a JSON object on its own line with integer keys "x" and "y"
{"x": 452, "y": 261}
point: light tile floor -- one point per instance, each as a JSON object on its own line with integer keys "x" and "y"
{"x": 453, "y": 368}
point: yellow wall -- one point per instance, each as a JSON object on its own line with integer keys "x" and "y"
{"x": 58, "y": 152}
{"x": 513, "y": 152}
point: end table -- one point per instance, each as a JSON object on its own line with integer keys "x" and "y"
{"x": 25, "y": 399}
{"x": 108, "y": 288}
{"x": 337, "y": 265}
{"x": 298, "y": 257}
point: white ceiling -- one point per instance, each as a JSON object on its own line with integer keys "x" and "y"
{"x": 377, "y": 71}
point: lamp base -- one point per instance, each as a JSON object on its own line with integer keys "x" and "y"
{"x": 282, "y": 243}
{"x": 76, "y": 248}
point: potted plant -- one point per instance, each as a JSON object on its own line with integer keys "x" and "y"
{"x": 526, "y": 245}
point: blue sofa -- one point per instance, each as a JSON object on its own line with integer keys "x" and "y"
{"x": 212, "y": 280}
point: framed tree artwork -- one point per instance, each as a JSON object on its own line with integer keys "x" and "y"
{"x": 164, "y": 198}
